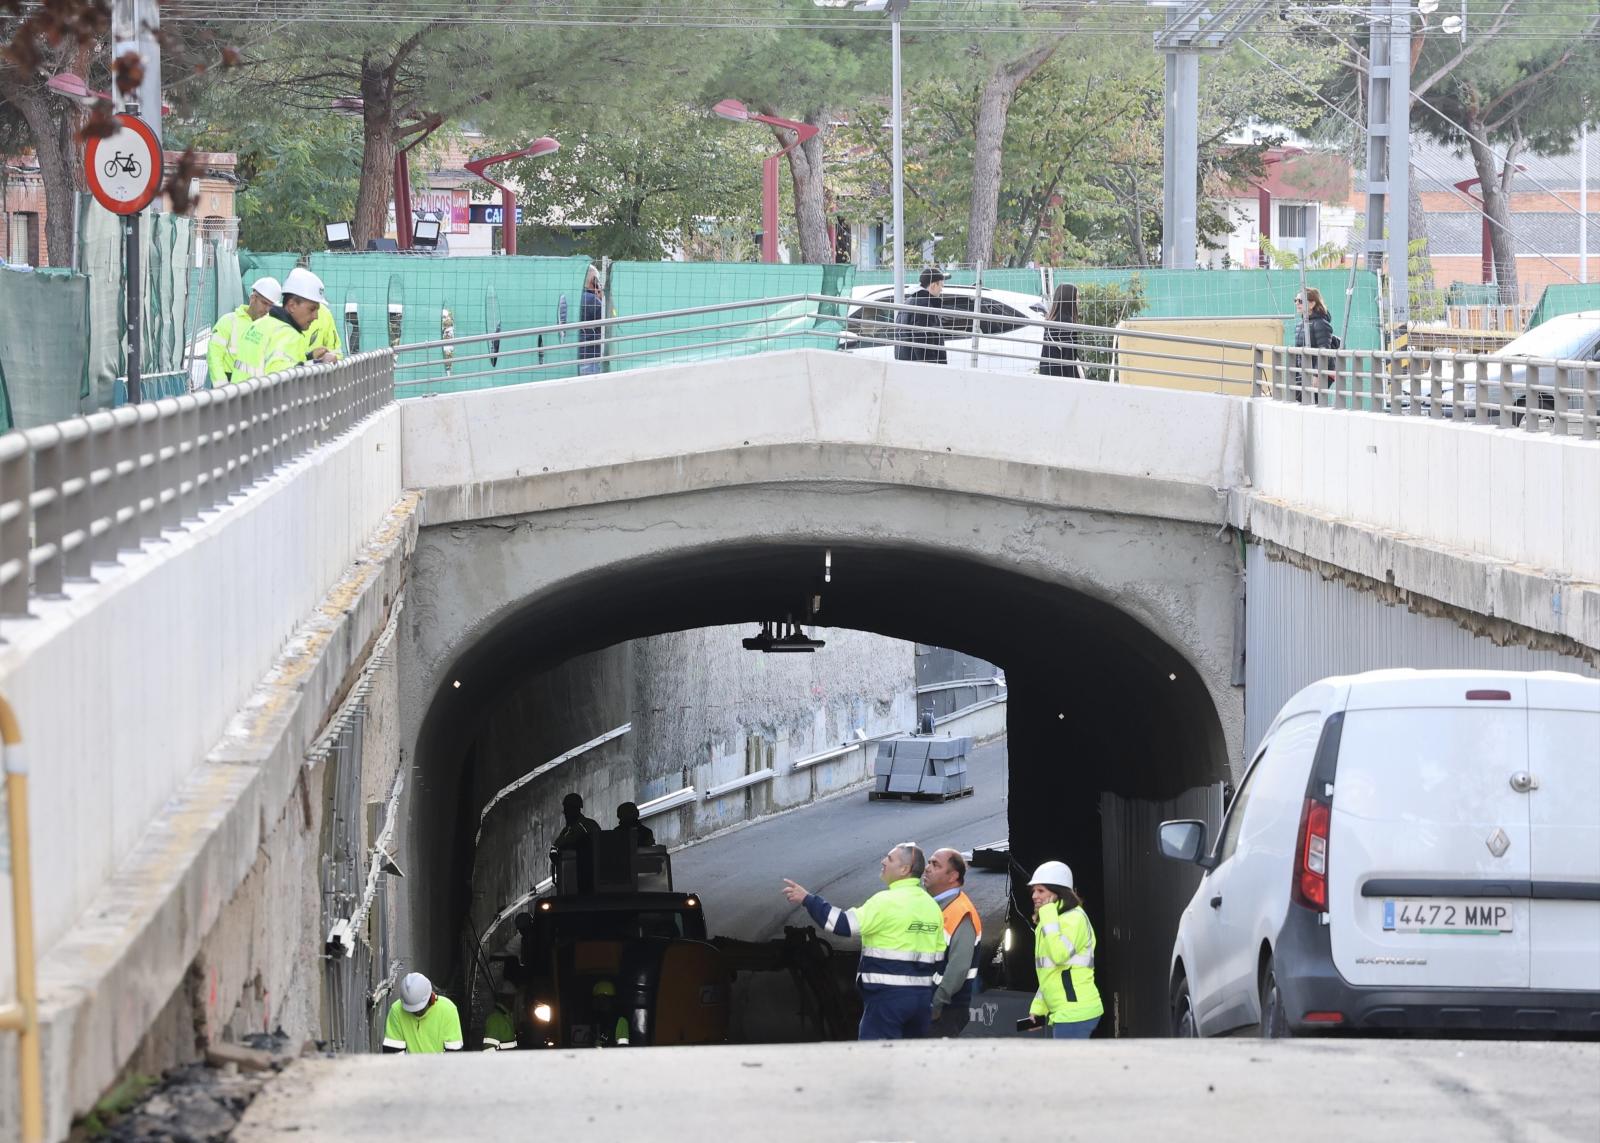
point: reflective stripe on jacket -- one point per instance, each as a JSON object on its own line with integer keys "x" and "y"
{"x": 1063, "y": 956}
{"x": 223, "y": 345}
{"x": 901, "y": 930}
{"x": 438, "y": 1029}
{"x": 270, "y": 345}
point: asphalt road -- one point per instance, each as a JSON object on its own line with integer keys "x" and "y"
{"x": 833, "y": 848}
{"x": 1096, "y": 1091}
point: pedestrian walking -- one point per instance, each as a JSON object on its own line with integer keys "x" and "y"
{"x": 945, "y": 880}
{"x": 1063, "y": 956}
{"x": 1058, "y": 357}
{"x": 592, "y": 307}
{"x": 920, "y": 335}
{"x": 1313, "y": 330}
{"x": 421, "y": 1021}
{"x": 902, "y": 944}
{"x": 222, "y": 347}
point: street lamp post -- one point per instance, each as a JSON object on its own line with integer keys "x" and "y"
{"x": 508, "y": 197}
{"x": 896, "y": 123}
{"x": 739, "y": 113}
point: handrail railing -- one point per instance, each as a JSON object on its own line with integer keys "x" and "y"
{"x": 75, "y": 494}
{"x": 1438, "y": 385}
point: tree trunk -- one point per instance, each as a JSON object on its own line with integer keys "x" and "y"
{"x": 60, "y": 161}
{"x": 994, "y": 106}
{"x": 810, "y": 199}
{"x": 1495, "y": 183}
{"x": 377, "y": 155}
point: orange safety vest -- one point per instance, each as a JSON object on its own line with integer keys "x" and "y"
{"x": 955, "y": 909}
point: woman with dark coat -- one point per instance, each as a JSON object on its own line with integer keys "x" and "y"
{"x": 1314, "y": 331}
{"x": 1059, "y": 355}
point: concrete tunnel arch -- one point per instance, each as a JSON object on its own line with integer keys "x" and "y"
{"x": 1118, "y": 658}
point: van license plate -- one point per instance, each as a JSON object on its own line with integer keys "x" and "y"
{"x": 1448, "y": 916}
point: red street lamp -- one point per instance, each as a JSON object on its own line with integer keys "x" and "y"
{"x": 508, "y": 197}
{"x": 733, "y": 109}
{"x": 1486, "y": 246}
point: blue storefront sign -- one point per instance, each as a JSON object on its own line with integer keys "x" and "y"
{"x": 491, "y": 213}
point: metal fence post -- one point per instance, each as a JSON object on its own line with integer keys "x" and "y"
{"x": 77, "y": 506}
{"x": 47, "y": 516}
{"x": 1563, "y": 401}
{"x": 16, "y": 523}
{"x": 1591, "y": 400}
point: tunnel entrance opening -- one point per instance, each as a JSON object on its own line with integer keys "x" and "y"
{"x": 1110, "y": 727}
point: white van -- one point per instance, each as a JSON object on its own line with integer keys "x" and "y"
{"x": 1408, "y": 850}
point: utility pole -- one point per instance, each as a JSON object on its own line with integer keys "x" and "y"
{"x": 134, "y": 25}
{"x": 1583, "y": 204}
{"x": 1389, "y": 155}
{"x": 1192, "y": 27}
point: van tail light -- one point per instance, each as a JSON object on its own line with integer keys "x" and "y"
{"x": 1323, "y": 1018}
{"x": 1310, "y": 889}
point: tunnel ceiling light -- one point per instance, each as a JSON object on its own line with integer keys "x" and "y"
{"x": 1174, "y": 678}
{"x": 456, "y": 684}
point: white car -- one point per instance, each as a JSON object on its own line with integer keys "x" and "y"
{"x": 1499, "y": 380}
{"x": 1003, "y": 343}
{"x": 1409, "y": 850}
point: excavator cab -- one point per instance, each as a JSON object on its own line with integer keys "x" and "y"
{"x": 628, "y": 948}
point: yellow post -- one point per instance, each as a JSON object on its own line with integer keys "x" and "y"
{"x": 29, "y": 1072}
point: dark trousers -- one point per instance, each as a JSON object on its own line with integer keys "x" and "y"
{"x": 952, "y": 1020}
{"x": 896, "y": 1013}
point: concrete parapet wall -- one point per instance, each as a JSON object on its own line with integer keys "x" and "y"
{"x": 480, "y": 454}
{"x": 123, "y": 686}
{"x": 1499, "y": 523}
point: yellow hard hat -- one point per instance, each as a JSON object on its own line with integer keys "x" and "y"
{"x": 604, "y": 988}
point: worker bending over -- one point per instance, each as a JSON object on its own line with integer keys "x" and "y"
{"x": 421, "y": 1021}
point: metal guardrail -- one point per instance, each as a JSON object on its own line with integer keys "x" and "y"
{"x": 75, "y": 494}
{"x": 1440, "y": 385}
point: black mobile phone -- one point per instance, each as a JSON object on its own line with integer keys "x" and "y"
{"x": 1029, "y": 1023}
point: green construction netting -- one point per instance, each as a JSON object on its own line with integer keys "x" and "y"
{"x": 401, "y": 299}
{"x": 637, "y": 288}
{"x": 100, "y": 260}
{"x": 42, "y": 365}
{"x": 1244, "y": 293}
{"x": 1472, "y": 294}
{"x": 1565, "y": 299}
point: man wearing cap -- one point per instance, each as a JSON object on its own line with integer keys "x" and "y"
{"x": 223, "y": 346}
{"x": 922, "y": 333}
{"x": 421, "y": 1021}
{"x": 278, "y": 341}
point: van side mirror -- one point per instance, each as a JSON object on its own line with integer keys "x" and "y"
{"x": 1185, "y": 841}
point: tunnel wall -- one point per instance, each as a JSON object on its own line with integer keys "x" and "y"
{"x": 1302, "y": 625}
{"x": 703, "y": 711}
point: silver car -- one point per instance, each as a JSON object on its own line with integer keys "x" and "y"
{"x": 1501, "y": 380}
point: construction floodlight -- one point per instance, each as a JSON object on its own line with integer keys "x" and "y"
{"x": 339, "y": 236}
{"x": 425, "y": 233}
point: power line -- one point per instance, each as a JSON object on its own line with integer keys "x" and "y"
{"x": 1442, "y": 183}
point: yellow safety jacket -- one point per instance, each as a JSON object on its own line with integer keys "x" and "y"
{"x": 901, "y": 930}
{"x": 323, "y": 332}
{"x": 223, "y": 347}
{"x": 1063, "y": 956}
{"x": 270, "y": 345}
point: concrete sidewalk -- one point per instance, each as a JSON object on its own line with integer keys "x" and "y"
{"x": 984, "y": 1092}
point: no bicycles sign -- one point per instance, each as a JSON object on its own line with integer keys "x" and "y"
{"x": 124, "y": 169}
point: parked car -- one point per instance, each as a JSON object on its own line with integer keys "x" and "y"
{"x": 1004, "y": 344}
{"x": 1499, "y": 380}
{"x": 1414, "y": 850}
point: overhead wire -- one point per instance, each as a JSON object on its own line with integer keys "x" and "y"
{"x": 1438, "y": 181}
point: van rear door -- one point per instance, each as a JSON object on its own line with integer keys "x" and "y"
{"x": 1428, "y": 847}
{"x": 1564, "y": 759}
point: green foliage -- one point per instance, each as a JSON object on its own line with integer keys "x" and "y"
{"x": 649, "y": 184}
{"x": 294, "y": 176}
{"x": 120, "y": 1099}
{"x": 1106, "y": 304}
{"x": 1328, "y": 256}
{"x": 1425, "y": 303}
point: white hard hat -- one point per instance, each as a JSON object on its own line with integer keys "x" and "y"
{"x": 1052, "y": 873}
{"x": 268, "y": 288}
{"x": 302, "y": 283}
{"x": 415, "y": 992}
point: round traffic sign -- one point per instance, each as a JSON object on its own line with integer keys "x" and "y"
{"x": 124, "y": 168}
